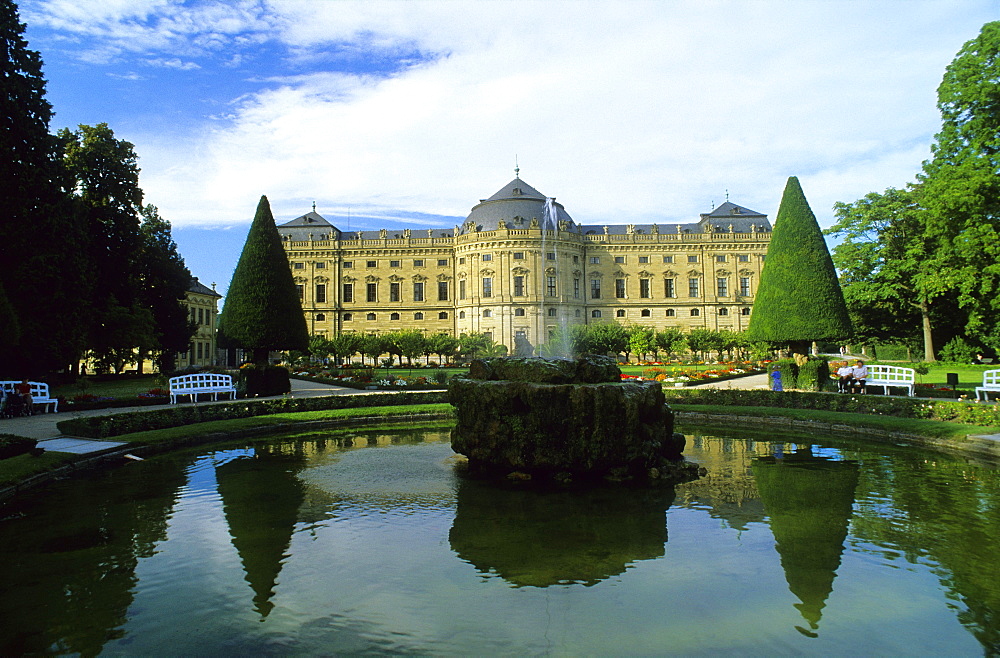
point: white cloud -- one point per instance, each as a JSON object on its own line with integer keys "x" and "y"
{"x": 625, "y": 111}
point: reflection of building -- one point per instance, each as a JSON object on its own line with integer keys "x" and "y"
{"x": 520, "y": 266}
{"x": 201, "y": 303}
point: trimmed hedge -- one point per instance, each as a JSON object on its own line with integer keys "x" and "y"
{"x": 100, "y": 427}
{"x": 12, "y": 445}
{"x": 956, "y": 411}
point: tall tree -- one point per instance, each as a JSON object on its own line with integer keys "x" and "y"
{"x": 799, "y": 299}
{"x": 262, "y": 311}
{"x": 40, "y": 236}
{"x": 960, "y": 184}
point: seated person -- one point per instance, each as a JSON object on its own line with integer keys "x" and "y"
{"x": 860, "y": 375}
{"x": 845, "y": 376}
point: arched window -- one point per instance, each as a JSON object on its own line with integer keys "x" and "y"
{"x": 418, "y": 316}
{"x": 518, "y": 312}
{"x": 443, "y": 315}
{"x": 577, "y": 313}
{"x": 321, "y": 317}
{"x": 646, "y": 313}
{"x": 394, "y": 316}
{"x": 723, "y": 311}
{"x": 461, "y": 315}
{"x": 487, "y": 313}
{"x": 695, "y": 312}
{"x": 595, "y": 313}
{"x": 671, "y": 313}
{"x": 370, "y": 316}
{"x": 620, "y": 313}
{"x": 744, "y": 311}
{"x": 348, "y": 317}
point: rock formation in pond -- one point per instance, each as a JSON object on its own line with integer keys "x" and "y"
{"x": 565, "y": 418}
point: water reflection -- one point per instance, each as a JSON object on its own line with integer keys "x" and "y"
{"x": 532, "y": 538}
{"x": 809, "y": 500}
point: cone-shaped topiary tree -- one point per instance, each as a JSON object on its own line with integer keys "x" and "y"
{"x": 799, "y": 298}
{"x": 262, "y": 310}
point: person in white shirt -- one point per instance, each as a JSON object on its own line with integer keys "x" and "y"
{"x": 860, "y": 374}
{"x": 845, "y": 376}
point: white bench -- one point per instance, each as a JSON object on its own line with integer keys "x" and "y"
{"x": 991, "y": 384}
{"x": 39, "y": 393}
{"x": 204, "y": 382}
{"x": 889, "y": 376}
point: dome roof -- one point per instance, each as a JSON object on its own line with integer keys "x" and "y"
{"x": 517, "y": 204}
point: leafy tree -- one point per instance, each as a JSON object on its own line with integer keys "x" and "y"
{"x": 672, "y": 341}
{"x": 319, "y": 347}
{"x": 343, "y": 346}
{"x": 799, "y": 299}
{"x": 411, "y": 344}
{"x": 372, "y": 345}
{"x": 477, "y": 345}
{"x": 606, "y": 338}
{"x": 641, "y": 340}
{"x": 704, "y": 341}
{"x": 262, "y": 310}
{"x": 444, "y": 345}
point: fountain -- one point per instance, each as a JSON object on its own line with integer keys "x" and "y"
{"x": 565, "y": 420}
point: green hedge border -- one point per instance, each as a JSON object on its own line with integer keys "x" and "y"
{"x": 102, "y": 427}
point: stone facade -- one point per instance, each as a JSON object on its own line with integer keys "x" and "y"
{"x": 519, "y": 266}
{"x": 202, "y": 304}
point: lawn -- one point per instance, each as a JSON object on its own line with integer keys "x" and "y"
{"x": 125, "y": 386}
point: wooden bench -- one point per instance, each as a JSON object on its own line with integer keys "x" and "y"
{"x": 889, "y": 376}
{"x": 204, "y": 382}
{"x": 991, "y": 384}
{"x": 39, "y": 394}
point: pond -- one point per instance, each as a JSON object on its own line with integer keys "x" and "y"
{"x": 372, "y": 543}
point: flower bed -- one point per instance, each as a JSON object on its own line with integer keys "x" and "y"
{"x": 681, "y": 376}
{"x": 368, "y": 379}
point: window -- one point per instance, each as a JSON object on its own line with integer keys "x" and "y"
{"x": 620, "y": 260}
{"x": 301, "y": 290}
{"x": 321, "y": 317}
{"x": 722, "y": 287}
{"x": 620, "y": 288}
{"x": 394, "y": 316}
{"x": 442, "y": 262}
{"x": 518, "y": 286}
{"x": 461, "y": 261}
{"x": 487, "y": 313}
{"x": 576, "y": 259}
{"x": 723, "y": 311}
{"x": 371, "y": 292}
{"x": 487, "y": 256}
{"x": 418, "y": 291}
{"x": 442, "y": 291}
{"x": 418, "y": 262}
{"x": 370, "y": 317}
{"x": 668, "y": 259}
{"x": 745, "y": 286}
{"x": 595, "y": 260}
{"x": 620, "y": 313}
{"x": 692, "y": 259}
{"x": 595, "y": 288}
{"x": 418, "y": 316}
{"x": 394, "y": 263}
{"x": 577, "y": 313}
{"x": 487, "y": 286}
{"x": 461, "y": 315}
{"x": 348, "y": 317}
{"x": 550, "y": 255}
{"x": 720, "y": 258}
{"x": 320, "y": 266}
{"x": 461, "y": 289}
{"x": 393, "y": 291}
{"x": 595, "y": 313}
{"x": 298, "y": 266}
{"x": 644, "y": 288}
{"x": 646, "y": 313}
{"x": 744, "y": 311}
{"x": 320, "y": 293}
{"x": 643, "y": 259}
{"x": 695, "y": 312}
{"x": 743, "y": 258}
{"x": 693, "y": 290}
{"x": 550, "y": 286}
{"x": 488, "y": 335}
{"x": 371, "y": 263}
{"x": 201, "y": 347}
{"x": 348, "y": 292}
{"x": 552, "y": 312}
{"x": 670, "y": 313}
{"x": 668, "y": 288}
{"x": 763, "y": 257}
{"x": 201, "y": 316}
{"x": 519, "y": 312}
{"x": 443, "y": 315}
{"x": 518, "y": 255}
{"x": 576, "y": 288}
{"x": 348, "y": 264}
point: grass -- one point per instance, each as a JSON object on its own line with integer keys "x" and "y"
{"x": 22, "y": 467}
{"x": 129, "y": 386}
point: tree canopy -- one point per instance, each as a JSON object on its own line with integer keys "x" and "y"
{"x": 262, "y": 311}
{"x": 799, "y": 299}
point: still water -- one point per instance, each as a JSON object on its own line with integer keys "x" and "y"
{"x": 371, "y": 543}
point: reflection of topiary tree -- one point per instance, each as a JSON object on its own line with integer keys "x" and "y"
{"x": 799, "y": 299}
{"x": 262, "y": 310}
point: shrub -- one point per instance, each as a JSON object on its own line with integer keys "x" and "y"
{"x": 789, "y": 372}
{"x": 12, "y": 445}
{"x": 814, "y": 375}
{"x": 264, "y": 381}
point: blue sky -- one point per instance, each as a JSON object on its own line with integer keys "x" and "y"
{"x": 407, "y": 113}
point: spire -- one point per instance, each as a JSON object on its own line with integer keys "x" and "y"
{"x": 517, "y": 170}
{"x": 314, "y": 206}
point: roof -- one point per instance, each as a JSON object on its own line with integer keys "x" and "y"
{"x": 310, "y": 224}
{"x": 742, "y": 220}
{"x": 200, "y": 288}
{"x": 518, "y": 205}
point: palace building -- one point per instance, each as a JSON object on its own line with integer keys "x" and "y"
{"x": 519, "y": 266}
